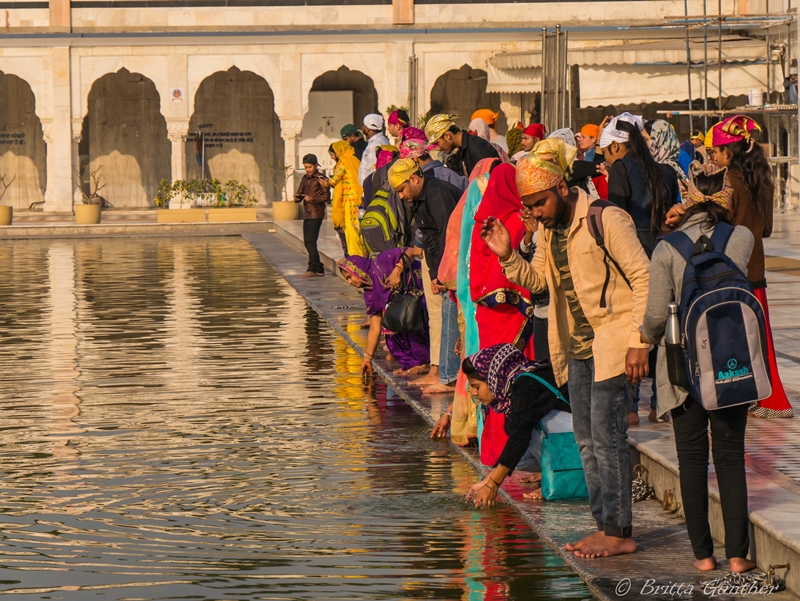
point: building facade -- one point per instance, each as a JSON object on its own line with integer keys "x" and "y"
{"x": 140, "y": 91}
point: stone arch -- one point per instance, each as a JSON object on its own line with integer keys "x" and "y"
{"x": 235, "y": 110}
{"x": 125, "y": 135}
{"x": 93, "y": 68}
{"x": 462, "y": 91}
{"x": 335, "y": 99}
{"x": 365, "y": 95}
{"x": 23, "y": 152}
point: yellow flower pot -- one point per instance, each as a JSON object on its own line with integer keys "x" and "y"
{"x": 6, "y": 215}
{"x": 87, "y": 214}
{"x": 285, "y": 211}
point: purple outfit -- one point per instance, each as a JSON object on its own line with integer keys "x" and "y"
{"x": 408, "y": 348}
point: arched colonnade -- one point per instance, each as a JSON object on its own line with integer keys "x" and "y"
{"x": 136, "y": 115}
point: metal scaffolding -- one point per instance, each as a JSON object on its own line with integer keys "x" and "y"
{"x": 778, "y": 117}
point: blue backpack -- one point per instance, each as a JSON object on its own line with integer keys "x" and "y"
{"x": 723, "y": 330}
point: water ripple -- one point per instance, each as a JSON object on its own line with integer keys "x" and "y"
{"x": 178, "y": 424}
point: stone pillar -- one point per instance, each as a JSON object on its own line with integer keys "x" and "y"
{"x": 60, "y": 16}
{"x": 290, "y": 132}
{"x": 57, "y": 134}
{"x": 177, "y": 131}
{"x": 511, "y": 105}
{"x": 77, "y": 131}
{"x": 403, "y": 12}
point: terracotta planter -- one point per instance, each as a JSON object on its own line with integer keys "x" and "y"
{"x": 285, "y": 211}
{"x": 229, "y": 215}
{"x": 87, "y": 214}
{"x": 6, "y": 215}
{"x": 182, "y": 216}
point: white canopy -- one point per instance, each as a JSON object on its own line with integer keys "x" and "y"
{"x": 641, "y": 72}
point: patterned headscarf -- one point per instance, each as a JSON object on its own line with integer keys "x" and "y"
{"x": 356, "y": 266}
{"x": 438, "y": 124}
{"x": 385, "y": 155}
{"x": 514, "y": 140}
{"x": 487, "y": 115}
{"x": 566, "y": 134}
{"x": 413, "y": 133}
{"x": 549, "y": 162}
{"x": 708, "y": 142}
{"x": 413, "y": 149}
{"x": 666, "y": 149}
{"x": 734, "y": 129}
{"x": 692, "y": 196}
{"x": 499, "y": 366}
{"x": 401, "y": 171}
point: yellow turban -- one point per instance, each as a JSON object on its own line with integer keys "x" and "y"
{"x": 437, "y": 125}
{"x": 487, "y": 115}
{"x": 401, "y": 171}
{"x": 549, "y": 162}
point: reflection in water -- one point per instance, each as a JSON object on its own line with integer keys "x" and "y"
{"x": 179, "y": 424}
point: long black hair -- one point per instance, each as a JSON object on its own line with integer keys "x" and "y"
{"x": 660, "y": 201}
{"x": 750, "y": 161}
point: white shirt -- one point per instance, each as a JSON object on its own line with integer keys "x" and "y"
{"x": 370, "y": 156}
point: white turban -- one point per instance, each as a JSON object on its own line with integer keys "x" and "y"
{"x": 612, "y": 134}
{"x": 374, "y": 122}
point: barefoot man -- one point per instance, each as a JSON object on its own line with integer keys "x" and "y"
{"x": 594, "y": 329}
{"x": 433, "y": 201}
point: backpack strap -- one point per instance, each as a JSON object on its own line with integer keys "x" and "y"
{"x": 682, "y": 243}
{"x": 722, "y": 233}
{"x": 594, "y": 221}
{"x": 546, "y": 384}
{"x": 550, "y": 387}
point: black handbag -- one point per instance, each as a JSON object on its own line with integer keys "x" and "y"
{"x": 404, "y": 311}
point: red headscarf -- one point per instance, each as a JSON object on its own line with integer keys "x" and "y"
{"x": 535, "y": 130}
{"x": 501, "y": 321}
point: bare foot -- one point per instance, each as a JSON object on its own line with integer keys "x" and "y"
{"x": 389, "y": 357}
{"x": 593, "y": 537}
{"x": 531, "y": 478}
{"x": 740, "y": 565}
{"x": 365, "y": 325}
{"x": 413, "y": 371}
{"x": 535, "y": 495}
{"x": 607, "y": 546}
{"x": 438, "y": 388}
{"x": 633, "y": 418}
{"x": 653, "y": 417}
{"x": 432, "y": 377}
{"x": 707, "y": 564}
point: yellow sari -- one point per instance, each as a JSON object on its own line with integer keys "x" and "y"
{"x": 347, "y": 192}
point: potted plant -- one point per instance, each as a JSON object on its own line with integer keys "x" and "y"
{"x": 6, "y": 212}
{"x": 235, "y": 202}
{"x": 90, "y": 211}
{"x": 285, "y": 210}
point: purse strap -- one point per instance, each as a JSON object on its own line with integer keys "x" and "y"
{"x": 550, "y": 387}
{"x": 410, "y": 285}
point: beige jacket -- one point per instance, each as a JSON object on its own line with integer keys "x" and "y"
{"x": 616, "y": 328}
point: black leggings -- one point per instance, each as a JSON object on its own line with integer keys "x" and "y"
{"x": 690, "y": 422}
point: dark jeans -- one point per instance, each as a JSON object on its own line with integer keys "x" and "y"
{"x": 310, "y": 237}
{"x": 541, "y": 343}
{"x": 690, "y": 422}
{"x": 600, "y": 421}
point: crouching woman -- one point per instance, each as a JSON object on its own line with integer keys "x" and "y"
{"x": 497, "y": 380}
{"x": 379, "y": 278}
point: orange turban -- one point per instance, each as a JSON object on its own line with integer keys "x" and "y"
{"x": 487, "y": 115}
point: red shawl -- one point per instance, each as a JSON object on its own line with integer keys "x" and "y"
{"x": 498, "y": 300}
